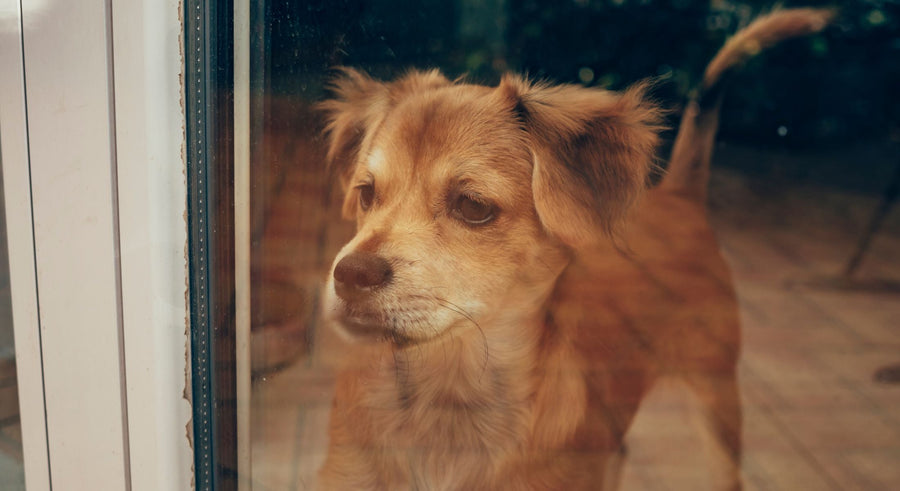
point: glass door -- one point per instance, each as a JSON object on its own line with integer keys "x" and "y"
{"x": 803, "y": 237}
{"x": 12, "y": 464}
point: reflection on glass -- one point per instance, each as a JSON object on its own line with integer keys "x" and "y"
{"x": 787, "y": 205}
{"x": 12, "y": 473}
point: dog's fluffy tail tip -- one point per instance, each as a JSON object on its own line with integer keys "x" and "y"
{"x": 688, "y": 170}
{"x": 763, "y": 33}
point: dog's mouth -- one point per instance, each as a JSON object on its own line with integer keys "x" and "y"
{"x": 405, "y": 320}
{"x": 369, "y": 326}
{"x": 365, "y": 326}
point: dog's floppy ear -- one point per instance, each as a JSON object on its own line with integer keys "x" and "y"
{"x": 358, "y": 105}
{"x": 592, "y": 152}
{"x": 357, "y": 102}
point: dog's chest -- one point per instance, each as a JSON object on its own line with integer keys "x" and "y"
{"x": 448, "y": 432}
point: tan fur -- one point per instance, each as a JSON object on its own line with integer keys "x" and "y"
{"x": 514, "y": 354}
{"x": 763, "y": 33}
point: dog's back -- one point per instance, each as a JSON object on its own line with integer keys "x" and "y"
{"x": 664, "y": 304}
{"x": 668, "y": 282}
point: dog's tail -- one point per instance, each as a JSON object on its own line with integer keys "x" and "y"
{"x": 688, "y": 171}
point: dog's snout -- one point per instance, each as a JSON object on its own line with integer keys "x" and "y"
{"x": 360, "y": 270}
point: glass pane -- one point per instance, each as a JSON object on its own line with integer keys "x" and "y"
{"x": 12, "y": 472}
{"x": 515, "y": 342}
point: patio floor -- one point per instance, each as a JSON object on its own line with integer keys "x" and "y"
{"x": 815, "y": 417}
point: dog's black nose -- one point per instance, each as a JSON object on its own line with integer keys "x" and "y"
{"x": 360, "y": 270}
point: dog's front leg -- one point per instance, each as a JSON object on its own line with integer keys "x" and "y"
{"x": 612, "y": 473}
{"x": 721, "y": 419}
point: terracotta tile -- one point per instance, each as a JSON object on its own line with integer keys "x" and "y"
{"x": 774, "y": 317}
{"x": 789, "y": 472}
{"x": 837, "y": 429}
{"x": 795, "y": 381}
{"x": 877, "y": 470}
{"x": 857, "y": 368}
{"x": 874, "y": 317}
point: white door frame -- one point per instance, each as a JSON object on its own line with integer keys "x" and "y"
{"x": 92, "y": 139}
{"x": 20, "y": 241}
{"x": 150, "y": 141}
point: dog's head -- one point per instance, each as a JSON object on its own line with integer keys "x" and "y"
{"x": 470, "y": 200}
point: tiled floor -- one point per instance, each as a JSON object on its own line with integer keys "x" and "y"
{"x": 814, "y": 416}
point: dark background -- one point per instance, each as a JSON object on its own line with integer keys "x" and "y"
{"x": 837, "y": 89}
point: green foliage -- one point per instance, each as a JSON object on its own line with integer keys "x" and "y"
{"x": 840, "y": 85}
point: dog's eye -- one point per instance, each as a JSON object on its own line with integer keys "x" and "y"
{"x": 473, "y": 211}
{"x": 366, "y": 196}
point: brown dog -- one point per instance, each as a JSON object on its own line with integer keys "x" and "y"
{"x": 509, "y": 342}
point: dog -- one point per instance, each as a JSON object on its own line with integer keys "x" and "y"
{"x": 512, "y": 293}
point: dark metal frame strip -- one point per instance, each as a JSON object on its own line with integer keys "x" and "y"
{"x": 208, "y": 28}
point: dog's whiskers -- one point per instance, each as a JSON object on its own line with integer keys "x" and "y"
{"x": 459, "y": 310}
